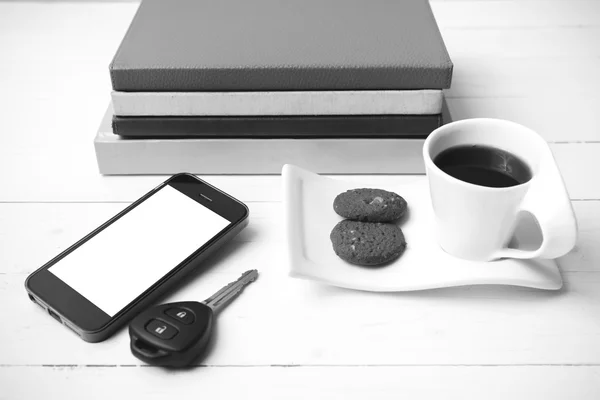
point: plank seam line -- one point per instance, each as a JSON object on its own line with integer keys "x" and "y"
{"x": 573, "y": 26}
{"x": 576, "y": 142}
{"x": 102, "y": 201}
{"x": 488, "y": 97}
{"x": 129, "y": 202}
{"x": 303, "y": 365}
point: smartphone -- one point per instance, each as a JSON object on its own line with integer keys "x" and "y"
{"x": 98, "y": 284}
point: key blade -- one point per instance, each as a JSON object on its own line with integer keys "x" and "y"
{"x": 230, "y": 291}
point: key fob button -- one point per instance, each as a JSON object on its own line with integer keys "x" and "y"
{"x": 161, "y": 329}
{"x": 184, "y": 316}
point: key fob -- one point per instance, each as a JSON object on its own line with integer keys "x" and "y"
{"x": 171, "y": 334}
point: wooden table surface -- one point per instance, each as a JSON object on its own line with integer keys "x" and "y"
{"x": 534, "y": 62}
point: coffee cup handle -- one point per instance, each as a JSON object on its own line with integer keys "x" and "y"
{"x": 548, "y": 201}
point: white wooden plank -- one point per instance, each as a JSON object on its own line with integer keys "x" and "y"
{"x": 483, "y": 72}
{"x": 586, "y": 254}
{"x": 556, "y": 118}
{"x": 495, "y": 69}
{"x": 515, "y": 77}
{"x": 556, "y": 40}
{"x": 280, "y": 320}
{"x": 523, "y": 42}
{"x": 578, "y": 164}
{"x": 515, "y": 13}
{"x": 42, "y": 16}
{"x": 71, "y": 176}
{"x": 56, "y": 183}
{"x": 69, "y": 66}
{"x": 450, "y": 383}
{"x": 50, "y": 228}
{"x": 459, "y": 14}
{"x": 561, "y": 41}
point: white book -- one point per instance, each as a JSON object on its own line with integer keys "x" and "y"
{"x": 118, "y": 156}
{"x": 363, "y": 102}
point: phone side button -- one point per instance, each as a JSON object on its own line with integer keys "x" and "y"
{"x": 161, "y": 329}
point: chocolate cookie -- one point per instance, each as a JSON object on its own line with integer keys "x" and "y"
{"x": 372, "y": 205}
{"x": 367, "y": 243}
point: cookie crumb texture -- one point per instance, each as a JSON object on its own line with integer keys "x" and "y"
{"x": 367, "y": 243}
{"x": 370, "y": 205}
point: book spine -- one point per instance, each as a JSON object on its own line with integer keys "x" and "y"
{"x": 117, "y": 156}
{"x": 406, "y": 102}
{"x": 398, "y": 126}
{"x": 279, "y": 79}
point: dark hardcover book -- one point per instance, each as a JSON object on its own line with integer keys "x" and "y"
{"x": 301, "y": 127}
{"x": 270, "y": 45}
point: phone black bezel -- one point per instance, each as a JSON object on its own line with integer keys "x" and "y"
{"x": 89, "y": 321}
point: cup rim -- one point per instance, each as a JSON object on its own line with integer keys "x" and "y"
{"x": 470, "y": 121}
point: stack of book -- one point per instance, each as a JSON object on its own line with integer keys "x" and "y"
{"x": 245, "y": 86}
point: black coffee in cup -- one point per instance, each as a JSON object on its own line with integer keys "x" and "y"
{"x": 483, "y": 166}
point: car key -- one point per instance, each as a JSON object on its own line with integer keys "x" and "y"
{"x": 175, "y": 334}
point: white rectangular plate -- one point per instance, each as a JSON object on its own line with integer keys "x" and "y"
{"x": 309, "y": 217}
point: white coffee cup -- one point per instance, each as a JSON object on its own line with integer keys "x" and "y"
{"x": 477, "y": 222}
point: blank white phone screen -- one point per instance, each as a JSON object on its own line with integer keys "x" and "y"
{"x": 126, "y": 258}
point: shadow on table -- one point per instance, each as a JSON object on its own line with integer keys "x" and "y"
{"x": 480, "y": 292}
